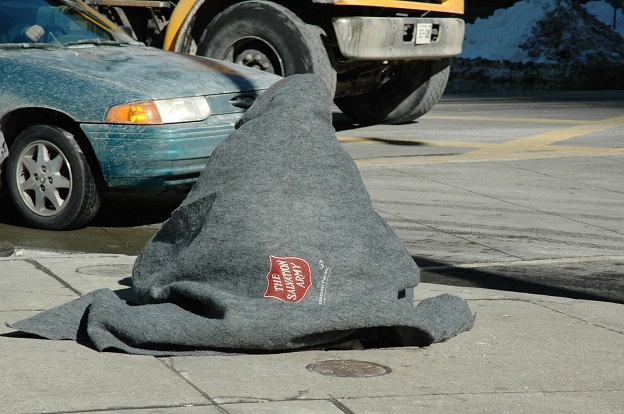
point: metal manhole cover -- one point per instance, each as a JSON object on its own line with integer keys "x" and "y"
{"x": 348, "y": 368}
{"x": 116, "y": 270}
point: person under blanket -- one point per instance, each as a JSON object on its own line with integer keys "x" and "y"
{"x": 276, "y": 247}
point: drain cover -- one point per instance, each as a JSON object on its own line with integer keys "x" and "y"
{"x": 348, "y": 368}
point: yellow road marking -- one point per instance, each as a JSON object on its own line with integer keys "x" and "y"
{"x": 532, "y": 147}
{"x": 525, "y": 120}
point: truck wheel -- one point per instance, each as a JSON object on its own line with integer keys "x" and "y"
{"x": 49, "y": 179}
{"x": 269, "y": 37}
{"x": 409, "y": 91}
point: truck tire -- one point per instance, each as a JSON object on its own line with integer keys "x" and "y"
{"x": 270, "y": 37}
{"x": 409, "y": 92}
{"x": 49, "y": 180}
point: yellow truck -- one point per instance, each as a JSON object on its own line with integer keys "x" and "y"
{"x": 384, "y": 61}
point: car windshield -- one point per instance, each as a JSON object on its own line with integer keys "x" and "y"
{"x": 55, "y": 23}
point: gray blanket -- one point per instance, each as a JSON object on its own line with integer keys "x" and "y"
{"x": 277, "y": 247}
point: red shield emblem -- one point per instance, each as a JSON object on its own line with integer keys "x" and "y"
{"x": 289, "y": 279}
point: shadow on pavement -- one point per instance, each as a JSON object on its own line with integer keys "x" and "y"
{"x": 534, "y": 279}
{"x": 135, "y": 209}
{"x": 342, "y": 122}
{"x": 117, "y": 210}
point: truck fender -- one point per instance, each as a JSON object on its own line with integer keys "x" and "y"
{"x": 180, "y": 24}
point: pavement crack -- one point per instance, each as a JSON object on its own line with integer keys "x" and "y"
{"x": 340, "y": 405}
{"x": 577, "y": 318}
{"x": 114, "y": 237}
{"x": 48, "y": 272}
{"x": 443, "y": 231}
{"x": 569, "y": 180}
{"x": 481, "y": 194}
{"x": 169, "y": 363}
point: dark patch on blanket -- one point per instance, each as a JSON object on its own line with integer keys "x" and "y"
{"x": 276, "y": 247}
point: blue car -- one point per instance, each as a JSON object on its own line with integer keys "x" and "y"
{"x": 85, "y": 109}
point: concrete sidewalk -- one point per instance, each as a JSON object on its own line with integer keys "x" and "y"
{"x": 526, "y": 354}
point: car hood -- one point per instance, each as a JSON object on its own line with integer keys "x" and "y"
{"x": 118, "y": 74}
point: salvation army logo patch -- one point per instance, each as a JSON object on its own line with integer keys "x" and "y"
{"x": 289, "y": 279}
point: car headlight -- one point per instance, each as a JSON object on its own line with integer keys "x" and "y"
{"x": 164, "y": 111}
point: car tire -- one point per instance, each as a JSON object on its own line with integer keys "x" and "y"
{"x": 270, "y": 37}
{"x": 409, "y": 92}
{"x": 49, "y": 180}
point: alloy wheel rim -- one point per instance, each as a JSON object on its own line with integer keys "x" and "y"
{"x": 44, "y": 178}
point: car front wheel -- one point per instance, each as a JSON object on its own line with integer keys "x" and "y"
{"x": 49, "y": 180}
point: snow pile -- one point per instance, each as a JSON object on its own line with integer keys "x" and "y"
{"x": 603, "y": 11}
{"x": 543, "y": 44}
{"x": 571, "y": 36}
{"x": 499, "y": 37}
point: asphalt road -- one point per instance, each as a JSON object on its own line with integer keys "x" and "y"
{"x": 521, "y": 192}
